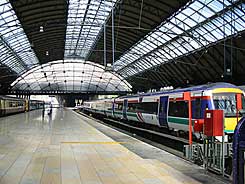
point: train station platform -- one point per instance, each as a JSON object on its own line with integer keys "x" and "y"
{"x": 68, "y": 148}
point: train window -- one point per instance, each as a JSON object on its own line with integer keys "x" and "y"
{"x": 197, "y": 113}
{"x": 131, "y": 107}
{"x": 144, "y": 107}
{"x": 242, "y": 111}
{"x": 108, "y": 106}
{"x": 118, "y": 107}
{"x": 226, "y": 102}
{"x": 243, "y": 102}
{"x": 149, "y": 107}
{"x": 178, "y": 109}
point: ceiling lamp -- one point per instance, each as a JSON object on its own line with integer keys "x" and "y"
{"x": 41, "y": 30}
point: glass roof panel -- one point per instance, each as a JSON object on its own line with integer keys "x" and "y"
{"x": 72, "y": 76}
{"x": 186, "y": 31}
{"x": 14, "y": 40}
{"x": 85, "y": 21}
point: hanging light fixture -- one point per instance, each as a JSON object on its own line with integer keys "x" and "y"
{"x": 41, "y": 30}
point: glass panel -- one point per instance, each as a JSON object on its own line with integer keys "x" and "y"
{"x": 84, "y": 24}
{"x": 226, "y": 102}
{"x": 14, "y": 40}
{"x": 185, "y": 32}
{"x": 70, "y": 75}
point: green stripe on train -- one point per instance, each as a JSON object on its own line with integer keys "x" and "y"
{"x": 118, "y": 112}
{"x": 229, "y": 131}
{"x": 98, "y": 110}
{"x": 132, "y": 114}
{"x": 128, "y": 113}
{"x": 177, "y": 120}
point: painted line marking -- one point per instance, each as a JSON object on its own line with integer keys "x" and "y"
{"x": 93, "y": 142}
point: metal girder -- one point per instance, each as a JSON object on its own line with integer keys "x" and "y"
{"x": 124, "y": 14}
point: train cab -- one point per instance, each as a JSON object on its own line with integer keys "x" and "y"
{"x": 231, "y": 101}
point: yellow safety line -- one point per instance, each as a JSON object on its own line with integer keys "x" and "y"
{"x": 93, "y": 142}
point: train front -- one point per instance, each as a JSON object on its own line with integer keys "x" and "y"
{"x": 231, "y": 100}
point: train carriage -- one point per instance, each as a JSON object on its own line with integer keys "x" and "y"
{"x": 169, "y": 109}
{"x": 11, "y": 105}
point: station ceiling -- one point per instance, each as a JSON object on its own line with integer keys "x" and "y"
{"x": 156, "y": 43}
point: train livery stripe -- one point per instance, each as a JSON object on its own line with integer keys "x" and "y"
{"x": 227, "y": 90}
{"x": 132, "y": 114}
{"x": 179, "y": 120}
{"x": 202, "y": 97}
{"x": 192, "y": 98}
{"x": 184, "y": 121}
{"x": 108, "y": 111}
{"x": 117, "y": 113}
{"x": 133, "y": 101}
{"x": 140, "y": 117}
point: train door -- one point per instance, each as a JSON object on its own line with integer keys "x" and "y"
{"x": 125, "y": 106}
{"x": 112, "y": 108}
{"x": 163, "y": 111}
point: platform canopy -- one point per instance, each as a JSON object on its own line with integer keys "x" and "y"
{"x": 149, "y": 43}
{"x": 70, "y": 76}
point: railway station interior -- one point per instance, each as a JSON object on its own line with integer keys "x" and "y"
{"x": 122, "y": 91}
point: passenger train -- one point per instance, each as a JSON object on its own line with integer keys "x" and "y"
{"x": 169, "y": 109}
{"x": 12, "y": 105}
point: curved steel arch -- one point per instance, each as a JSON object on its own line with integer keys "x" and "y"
{"x": 70, "y": 75}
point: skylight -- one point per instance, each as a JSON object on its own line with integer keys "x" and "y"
{"x": 16, "y": 52}
{"x": 85, "y": 21}
{"x": 199, "y": 24}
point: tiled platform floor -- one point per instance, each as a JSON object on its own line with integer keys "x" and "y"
{"x": 63, "y": 148}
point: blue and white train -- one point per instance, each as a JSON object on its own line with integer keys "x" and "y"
{"x": 169, "y": 109}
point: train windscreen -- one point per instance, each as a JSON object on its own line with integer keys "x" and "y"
{"x": 226, "y": 102}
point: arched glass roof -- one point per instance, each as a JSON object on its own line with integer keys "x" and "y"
{"x": 150, "y": 40}
{"x": 70, "y": 76}
{"x": 85, "y": 20}
{"x": 16, "y": 52}
{"x": 200, "y": 24}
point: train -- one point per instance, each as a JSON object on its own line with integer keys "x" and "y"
{"x": 13, "y": 105}
{"x": 169, "y": 109}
